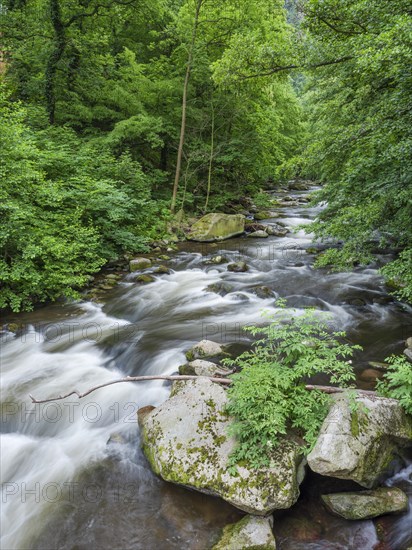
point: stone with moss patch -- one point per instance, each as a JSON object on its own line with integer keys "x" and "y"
{"x": 216, "y": 227}
{"x": 186, "y": 441}
{"x": 367, "y": 504}
{"x": 204, "y": 348}
{"x": 361, "y": 444}
{"x": 250, "y": 533}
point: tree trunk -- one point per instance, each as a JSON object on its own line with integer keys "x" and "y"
{"x": 59, "y": 45}
{"x": 209, "y": 174}
{"x": 184, "y": 103}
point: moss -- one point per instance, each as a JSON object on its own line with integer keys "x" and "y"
{"x": 354, "y": 424}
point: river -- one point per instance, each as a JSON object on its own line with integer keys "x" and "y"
{"x": 73, "y": 476}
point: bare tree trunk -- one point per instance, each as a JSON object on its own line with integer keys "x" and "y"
{"x": 184, "y": 103}
{"x": 209, "y": 174}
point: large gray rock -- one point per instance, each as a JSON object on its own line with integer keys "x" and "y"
{"x": 204, "y": 348}
{"x": 216, "y": 227}
{"x": 251, "y": 532}
{"x": 367, "y": 504}
{"x": 260, "y": 234}
{"x": 360, "y": 445}
{"x": 186, "y": 441}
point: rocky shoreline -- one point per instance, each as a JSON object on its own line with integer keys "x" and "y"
{"x": 186, "y": 441}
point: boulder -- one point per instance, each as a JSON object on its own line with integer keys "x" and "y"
{"x": 216, "y": 260}
{"x": 139, "y": 263}
{"x": 186, "y": 441}
{"x": 277, "y": 230}
{"x": 144, "y": 278}
{"x": 258, "y": 234}
{"x": 408, "y": 353}
{"x": 216, "y": 227}
{"x": 198, "y": 367}
{"x": 238, "y": 267}
{"x": 251, "y": 532}
{"x": 205, "y": 348}
{"x": 264, "y": 215}
{"x": 367, "y": 504}
{"x": 263, "y": 292}
{"x": 220, "y": 288}
{"x": 361, "y": 445}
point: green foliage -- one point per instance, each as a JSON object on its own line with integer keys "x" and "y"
{"x": 397, "y": 382}
{"x": 360, "y": 139}
{"x": 268, "y": 396}
{"x": 66, "y": 207}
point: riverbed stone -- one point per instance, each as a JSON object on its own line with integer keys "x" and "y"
{"x": 220, "y": 288}
{"x": 367, "y": 504}
{"x": 264, "y": 215}
{"x": 251, "y": 532}
{"x": 139, "y": 263}
{"x": 199, "y": 367}
{"x": 204, "y": 348}
{"x": 238, "y": 267}
{"x": 216, "y": 227}
{"x": 276, "y": 230}
{"x": 186, "y": 441}
{"x": 361, "y": 445}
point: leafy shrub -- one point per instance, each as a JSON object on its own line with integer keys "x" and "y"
{"x": 268, "y": 396}
{"x": 397, "y": 382}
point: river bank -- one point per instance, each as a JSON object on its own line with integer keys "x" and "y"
{"x": 145, "y": 329}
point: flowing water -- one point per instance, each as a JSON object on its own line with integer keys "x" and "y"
{"x": 73, "y": 476}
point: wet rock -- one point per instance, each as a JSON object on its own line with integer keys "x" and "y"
{"x": 164, "y": 257}
{"x": 205, "y": 348}
{"x": 106, "y": 287}
{"x": 116, "y": 438}
{"x": 409, "y": 342}
{"x": 298, "y": 185}
{"x": 220, "y": 288}
{"x": 258, "y": 234}
{"x": 216, "y": 260}
{"x": 361, "y": 445}
{"x": 276, "y": 230}
{"x": 238, "y": 267}
{"x": 216, "y": 227}
{"x": 263, "y": 292}
{"x": 251, "y": 532}
{"x": 162, "y": 269}
{"x": 264, "y": 215}
{"x": 367, "y": 504}
{"x": 198, "y": 367}
{"x": 139, "y": 263}
{"x": 186, "y": 441}
{"x": 144, "y": 278}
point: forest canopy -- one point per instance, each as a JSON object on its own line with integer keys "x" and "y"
{"x": 94, "y": 94}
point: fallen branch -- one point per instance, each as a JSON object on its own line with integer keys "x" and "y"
{"x": 224, "y": 381}
{"x": 128, "y": 379}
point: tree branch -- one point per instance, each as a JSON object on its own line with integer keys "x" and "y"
{"x": 173, "y": 378}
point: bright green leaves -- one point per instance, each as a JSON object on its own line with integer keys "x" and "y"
{"x": 360, "y": 143}
{"x": 268, "y": 396}
{"x": 397, "y": 382}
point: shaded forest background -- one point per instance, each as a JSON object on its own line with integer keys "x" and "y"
{"x": 91, "y": 103}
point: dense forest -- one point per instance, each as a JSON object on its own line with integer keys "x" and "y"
{"x": 120, "y": 117}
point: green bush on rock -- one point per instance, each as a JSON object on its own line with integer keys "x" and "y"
{"x": 268, "y": 397}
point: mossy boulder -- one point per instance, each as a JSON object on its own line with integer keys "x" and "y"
{"x": 139, "y": 263}
{"x": 198, "y": 367}
{"x": 204, "y": 348}
{"x": 361, "y": 445}
{"x": 238, "y": 267}
{"x": 220, "y": 288}
{"x": 264, "y": 215}
{"x": 216, "y": 227}
{"x": 250, "y": 533}
{"x": 367, "y": 504}
{"x": 186, "y": 441}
